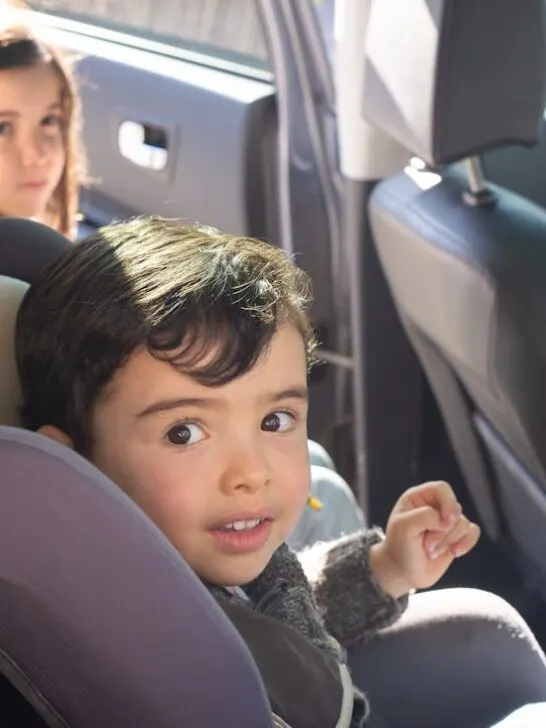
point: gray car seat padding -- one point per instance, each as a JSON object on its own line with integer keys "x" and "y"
{"x": 101, "y": 621}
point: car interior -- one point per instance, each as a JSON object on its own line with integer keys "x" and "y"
{"x": 464, "y": 258}
{"x": 410, "y": 186}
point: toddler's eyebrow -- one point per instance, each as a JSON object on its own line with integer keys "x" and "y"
{"x": 291, "y": 393}
{"x": 214, "y": 403}
{"x": 170, "y": 404}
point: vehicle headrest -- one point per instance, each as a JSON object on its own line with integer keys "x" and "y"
{"x": 102, "y": 623}
{"x": 450, "y": 79}
{"x": 11, "y": 295}
{"x": 27, "y": 247}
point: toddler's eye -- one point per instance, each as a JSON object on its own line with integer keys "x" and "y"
{"x": 5, "y": 128}
{"x": 187, "y": 433}
{"x": 278, "y": 422}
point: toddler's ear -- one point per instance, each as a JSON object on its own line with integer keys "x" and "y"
{"x": 55, "y": 434}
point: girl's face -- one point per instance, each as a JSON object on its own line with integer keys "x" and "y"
{"x": 32, "y": 148}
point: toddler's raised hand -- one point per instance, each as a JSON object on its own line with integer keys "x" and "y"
{"x": 425, "y": 532}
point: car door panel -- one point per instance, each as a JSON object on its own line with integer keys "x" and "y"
{"x": 214, "y": 125}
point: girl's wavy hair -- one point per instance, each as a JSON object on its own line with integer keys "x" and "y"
{"x": 21, "y": 47}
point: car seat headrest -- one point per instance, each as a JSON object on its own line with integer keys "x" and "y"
{"x": 27, "y": 247}
{"x": 450, "y": 79}
{"x": 11, "y": 295}
{"x": 102, "y": 623}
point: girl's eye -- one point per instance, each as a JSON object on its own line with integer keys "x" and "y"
{"x": 187, "y": 433}
{"x": 278, "y": 421}
{"x": 5, "y": 128}
{"x": 52, "y": 120}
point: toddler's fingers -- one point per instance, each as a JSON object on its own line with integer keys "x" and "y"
{"x": 440, "y": 542}
{"x": 467, "y": 543}
{"x": 438, "y": 494}
{"x": 453, "y": 539}
{"x": 449, "y": 506}
{"x": 415, "y": 522}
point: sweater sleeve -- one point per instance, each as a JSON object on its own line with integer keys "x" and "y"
{"x": 352, "y": 603}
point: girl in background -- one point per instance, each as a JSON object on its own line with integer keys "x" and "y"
{"x": 41, "y": 158}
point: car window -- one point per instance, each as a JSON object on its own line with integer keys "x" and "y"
{"x": 325, "y": 10}
{"x": 227, "y": 28}
{"x": 230, "y": 29}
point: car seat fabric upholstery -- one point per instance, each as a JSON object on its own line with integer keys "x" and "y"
{"x": 484, "y": 268}
{"x": 11, "y": 295}
{"x": 101, "y": 621}
{"x": 26, "y": 248}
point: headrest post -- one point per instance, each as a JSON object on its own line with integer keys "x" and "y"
{"x": 476, "y": 176}
{"x": 478, "y": 194}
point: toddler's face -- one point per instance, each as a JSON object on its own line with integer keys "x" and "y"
{"x": 222, "y": 471}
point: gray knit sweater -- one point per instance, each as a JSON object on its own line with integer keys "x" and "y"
{"x": 328, "y": 593}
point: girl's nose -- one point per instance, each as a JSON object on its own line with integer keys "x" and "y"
{"x": 33, "y": 151}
